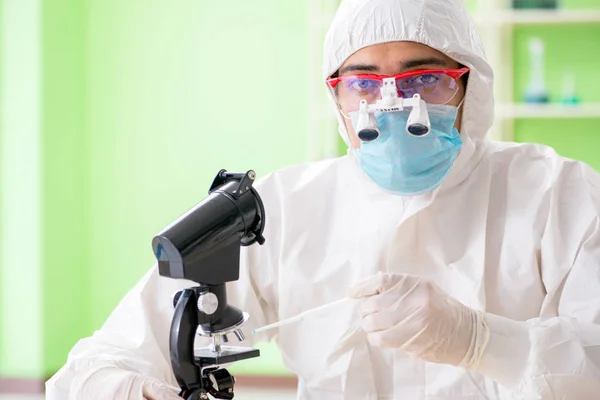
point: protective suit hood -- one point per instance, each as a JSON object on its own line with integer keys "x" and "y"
{"x": 444, "y": 25}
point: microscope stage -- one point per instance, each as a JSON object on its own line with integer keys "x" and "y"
{"x": 227, "y": 354}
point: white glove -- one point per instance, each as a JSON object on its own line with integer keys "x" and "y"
{"x": 413, "y": 314}
{"x": 118, "y": 384}
{"x": 157, "y": 390}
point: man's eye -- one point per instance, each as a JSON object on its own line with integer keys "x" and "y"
{"x": 363, "y": 85}
{"x": 424, "y": 79}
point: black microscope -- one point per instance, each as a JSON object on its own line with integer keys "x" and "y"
{"x": 203, "y": 246}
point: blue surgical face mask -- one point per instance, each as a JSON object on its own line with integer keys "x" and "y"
{"x": 410, "y": 165}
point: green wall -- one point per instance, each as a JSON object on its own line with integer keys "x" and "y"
{"x": 175, "y": 94}
{"x": 579, "y": 4}
{"x": 66, "y": 238}
{"x": 20, "y": 250}
{"x": 140, "y": 103}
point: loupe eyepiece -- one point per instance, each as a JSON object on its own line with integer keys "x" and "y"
{"x": 368, "y": 135}
{"x": 418, "y": 123}
{"x": 367, "y": 129}
{"x": 417, "y": 129}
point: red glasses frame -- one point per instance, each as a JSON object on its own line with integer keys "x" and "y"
{"x": 452, "y": 73}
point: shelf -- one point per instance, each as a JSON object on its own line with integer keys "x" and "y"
{"x": 583, "y": 110}
{"x": 516, "y": 17}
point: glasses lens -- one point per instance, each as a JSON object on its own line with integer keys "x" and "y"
{"x": 351, "y": 90}
{"x": 433, "y": 88}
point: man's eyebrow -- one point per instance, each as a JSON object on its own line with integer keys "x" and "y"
{"x": 359, "y": 67}
{"x": 419, "y": 62}
{"x": 410, "y": 64}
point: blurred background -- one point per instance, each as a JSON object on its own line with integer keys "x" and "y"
{"x": 116, "y": 115}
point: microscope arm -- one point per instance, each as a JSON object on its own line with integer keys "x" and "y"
{"x": 183, "y": 333}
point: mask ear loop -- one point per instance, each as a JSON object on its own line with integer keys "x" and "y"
{"x": 342, "y": 130}
{"x": 339, "y": 106}
{"x": 342, "y": 112}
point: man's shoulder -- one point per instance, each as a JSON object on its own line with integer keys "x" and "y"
{"x": 525, "y": 161}
{"x": 504, "y": 153}
{"x": 305, "y": 176}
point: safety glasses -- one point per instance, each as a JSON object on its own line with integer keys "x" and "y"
{"x": 434, "y": 86}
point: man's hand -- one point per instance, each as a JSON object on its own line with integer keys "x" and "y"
{"x": 156, "y": 390}
{"x": 115, "y": 383}
{"x": 415, "y": 315}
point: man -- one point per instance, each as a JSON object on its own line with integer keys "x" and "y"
{"x": 477, "y": 264}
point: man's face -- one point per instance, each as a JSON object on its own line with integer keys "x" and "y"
{"x": 395, "y": 58}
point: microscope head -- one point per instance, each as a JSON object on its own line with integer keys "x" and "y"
{"x": 203, "y": 245}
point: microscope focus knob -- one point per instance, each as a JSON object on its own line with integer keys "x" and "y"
{"x": 176, "y": 297}
{"x": 239, "y": 334}
{"x": 208, "y": 303}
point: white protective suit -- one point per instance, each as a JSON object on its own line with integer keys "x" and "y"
{"x": 514, "y": 232}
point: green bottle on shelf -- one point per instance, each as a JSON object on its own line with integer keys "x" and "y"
{"x": 535, "y": 4}
{"x": 568, "y": 95}
{"x": 536, "y": 91}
